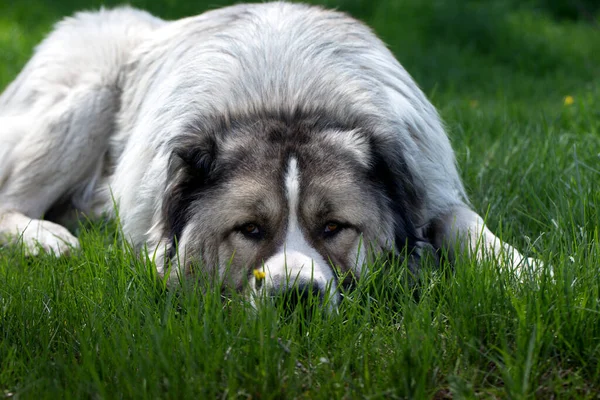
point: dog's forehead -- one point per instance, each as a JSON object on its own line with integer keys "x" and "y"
{"x": 320, "y": 147}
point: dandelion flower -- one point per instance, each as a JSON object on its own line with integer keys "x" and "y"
{"x": 569, "y": 100}
{"x": 259, "y": 275}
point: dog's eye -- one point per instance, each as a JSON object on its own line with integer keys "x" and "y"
{"x": 251, "y": 230}
{"x": 331, "y": 228}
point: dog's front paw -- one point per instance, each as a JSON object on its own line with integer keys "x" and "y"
{"x": 532, "y": 268}
{"x": 47, "y": 236}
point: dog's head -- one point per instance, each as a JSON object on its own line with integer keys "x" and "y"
{"x": 267, "y": 203}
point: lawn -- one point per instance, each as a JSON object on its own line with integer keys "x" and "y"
{"x": 518, "y": 86}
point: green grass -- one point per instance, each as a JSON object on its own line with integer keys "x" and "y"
{"x": 99, "y": 324}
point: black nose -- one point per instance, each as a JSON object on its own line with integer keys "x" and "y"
{"x": 302, "y": 294}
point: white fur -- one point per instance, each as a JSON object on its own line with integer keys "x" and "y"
{"x": 465, "y": 230}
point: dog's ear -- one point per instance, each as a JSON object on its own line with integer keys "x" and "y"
{"x": 395, "y": 179}
{"x": 193, "y": 157}
{"x": 191, "y": 170}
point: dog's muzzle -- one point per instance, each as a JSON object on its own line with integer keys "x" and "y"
{"x": 293, "y": 277}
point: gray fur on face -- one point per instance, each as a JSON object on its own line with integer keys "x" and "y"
{"x": 236, "y": 178}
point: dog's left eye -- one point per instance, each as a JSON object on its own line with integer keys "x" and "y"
{"x": 251, "y": 230}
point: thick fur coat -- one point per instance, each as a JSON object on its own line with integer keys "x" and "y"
{"x": 276, "y": 137}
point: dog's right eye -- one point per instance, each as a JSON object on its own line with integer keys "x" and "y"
{"x": 331, "y": 229}
{"x": 251, "y": 231}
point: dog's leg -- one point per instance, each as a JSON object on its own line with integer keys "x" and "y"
{"x": 35, "y": 234}
{"x": 56, "y": 119}
{"x": 50, "y": 155}
{"x": 464, "y": 230}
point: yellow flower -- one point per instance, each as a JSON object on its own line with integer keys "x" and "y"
{"x": 569, "y": 100}
{"x": 259, "y": 275}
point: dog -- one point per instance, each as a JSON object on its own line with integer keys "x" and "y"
{"x": 275, "y": 145}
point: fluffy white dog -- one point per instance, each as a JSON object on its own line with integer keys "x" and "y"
{"x": 277, "y": 137}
